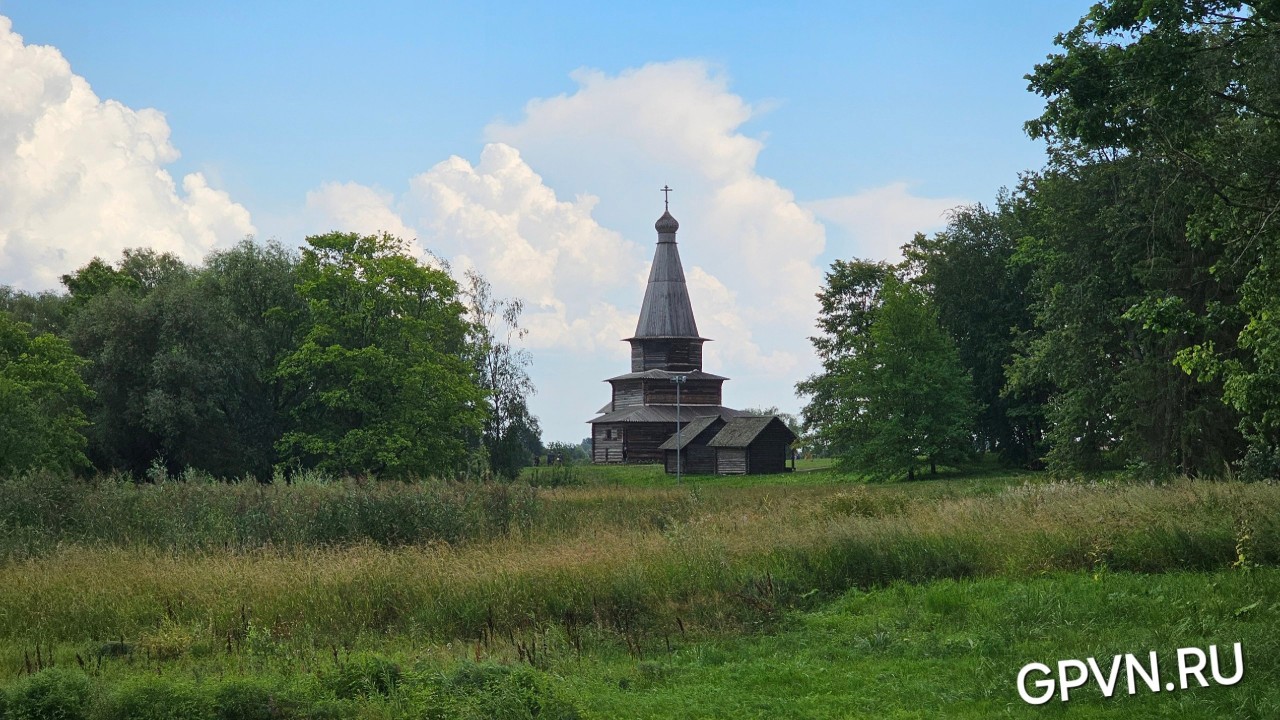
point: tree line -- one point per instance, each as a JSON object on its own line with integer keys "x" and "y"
{"x": 348, "y": 357}
{"x": 1119, "y": 307}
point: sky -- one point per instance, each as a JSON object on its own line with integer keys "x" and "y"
{"x": 529, "y": 142}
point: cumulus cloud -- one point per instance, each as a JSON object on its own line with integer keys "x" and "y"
{"x": 355, "y": 208}
{"x": 501, "y": 219}
{"x": 81, "y": 177}
{"x": 559, "y": 211}
{"x": 752, "y": 247}
{"x": 880, "y": 221}
{"x": 498, "y": 217}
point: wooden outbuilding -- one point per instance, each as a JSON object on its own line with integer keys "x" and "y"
{"x": 752, "y": 445}
{"x": 694, "y": 455}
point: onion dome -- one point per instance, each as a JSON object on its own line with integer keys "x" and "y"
{"x": 666, "y": 224}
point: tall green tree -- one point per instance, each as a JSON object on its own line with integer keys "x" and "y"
{"x": 511, "y": 436}
{"x": 982, "y": 302}
{"x": 255, "y": 285}
{"x": 183, "y": 358}
{"x": 1168, "y": 110}
{"x": 41, "y": 393}
{"x": 45, "y": 312}
{"x": 898, "y": 397}
{"x": 381, "y": 381}
{"x": 848, "y": 300}
{"x": 113, "y": 324}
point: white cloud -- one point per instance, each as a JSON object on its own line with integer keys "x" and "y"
{"x": 750, "y": 245}
{"x": 81, "y": 177}
{"x": 498, "y": 217}
{"x": 751, "y": 251}
{"x": 880, "y": 221}
{"x": 355, "y": 208}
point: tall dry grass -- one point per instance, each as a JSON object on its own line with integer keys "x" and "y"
{"x": 637, "y": 562}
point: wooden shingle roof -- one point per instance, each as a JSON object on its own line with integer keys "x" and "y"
{"x": 664, "y": 413}
{"x": 742, "y": 431}
{"x": 689, "y": 432}
{"x": 666, "y": 311}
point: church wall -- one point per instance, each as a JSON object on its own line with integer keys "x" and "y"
{"x": 692, "y": 392}
{"x": 666, "y": 354}
{"x": 607, "y": 442}
{"x": 643, "y": 441}
{"x": 627, "y": 393}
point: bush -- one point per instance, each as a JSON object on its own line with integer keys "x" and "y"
{"x": 366, "y": 675}
{"x": 500, "y": 692}
{"x": 53, "y": 694}
{"x": 149, "y": 698}
{"x": 243, "y": 699}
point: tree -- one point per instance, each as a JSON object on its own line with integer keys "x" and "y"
{"x": 183, "y": 358}
{"x": 256, "y": 283}
{"x": 381, "y": 381}
{"x": 898, "y": 396}
{"x": 45, "y": 312}
{"x": 568, "y": 453}
{"x": 41, "y": 392}
{"x": 848, "y": 302}
{"x": 115, "y": 325}
{"x": 982, "y": 303}
{"x": 511, "y": 436}
{"x": 1161, "y": 119}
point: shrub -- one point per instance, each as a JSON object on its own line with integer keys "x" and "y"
{"x": 245, "y": 699}
{"x": 365, "y": 675}
{"x": 147, "y": 698}
{"x": 52, "y": 694}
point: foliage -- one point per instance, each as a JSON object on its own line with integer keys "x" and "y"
{"x": 257, "y": 285}
{"x": 568, "y": 453}
{"x": 182, "y": 358}
{"x": 1178, "y": 101}
{"x": 41, "y": 392}
{"x": 45, "y": 312}
{"x": 897, "y": 395}
{"x": 982, "y": 303}
{"x": 146, "y": 698}
{"x": 380, "y": 383}
{"x": 49, "y": 694}
{"x": 1118, "y": 292}
{"x": 511, "y": 436}
{"x": 849, "y": 299}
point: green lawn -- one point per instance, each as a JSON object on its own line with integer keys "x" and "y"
{"x": 954, "y": 648}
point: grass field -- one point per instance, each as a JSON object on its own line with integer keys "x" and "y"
{"x": 612, "y": 592}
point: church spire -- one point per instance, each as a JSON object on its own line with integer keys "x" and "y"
{"x": 666, "y": 312}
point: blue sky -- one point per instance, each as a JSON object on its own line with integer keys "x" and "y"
{"x": 526, "y": 141}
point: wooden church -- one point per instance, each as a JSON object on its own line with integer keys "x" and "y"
{"x": 638, "y": 425}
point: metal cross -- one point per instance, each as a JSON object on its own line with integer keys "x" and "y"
{"x": 666, "y": 198}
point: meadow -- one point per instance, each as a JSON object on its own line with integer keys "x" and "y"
{"x": 614, "y": 592}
